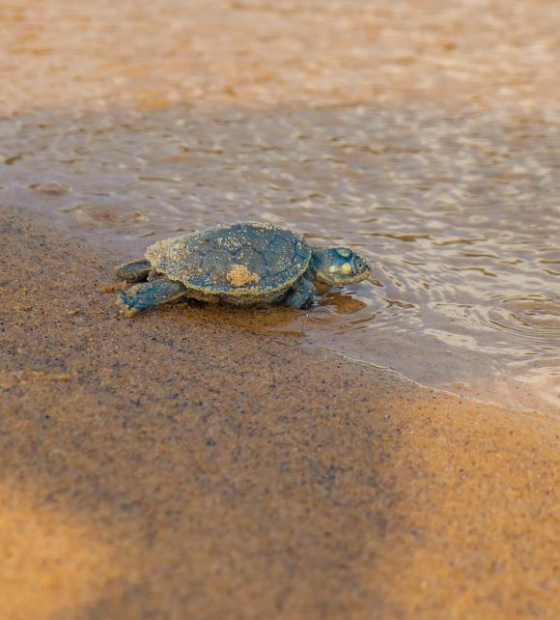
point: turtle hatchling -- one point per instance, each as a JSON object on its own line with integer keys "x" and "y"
{"x": 247, "y": 263}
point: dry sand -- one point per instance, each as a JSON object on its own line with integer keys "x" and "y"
{"x": 181, "y": 466}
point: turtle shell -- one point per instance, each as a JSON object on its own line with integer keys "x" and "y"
{"x": 246, "y": 259}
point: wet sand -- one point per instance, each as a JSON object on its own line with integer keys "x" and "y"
{"x": 181, "y": 466}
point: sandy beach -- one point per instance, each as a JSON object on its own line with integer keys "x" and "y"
{"x": 201, "y": 463}
{"x": 179, "y": 466}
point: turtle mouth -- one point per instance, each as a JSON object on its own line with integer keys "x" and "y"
{"x": 359, "y": 277}
{"x": 343, "y": 280}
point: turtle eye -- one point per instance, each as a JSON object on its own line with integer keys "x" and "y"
{"x": 359, "y": 265}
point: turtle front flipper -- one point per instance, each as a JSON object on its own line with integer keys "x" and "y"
{"x": 137, "y": 271}
{"x": 301, "y": 296}
{"x": 142, "y": 296}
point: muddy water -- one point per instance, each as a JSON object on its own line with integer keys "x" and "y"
{"x": 458, "y": 214}
{"x": 425, "y": 135}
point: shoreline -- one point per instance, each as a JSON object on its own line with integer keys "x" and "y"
{"x": 183, "y": 465}
{"x": 120, "y": 183}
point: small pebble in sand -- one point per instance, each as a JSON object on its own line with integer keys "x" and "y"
{"x": 112, "y": 288}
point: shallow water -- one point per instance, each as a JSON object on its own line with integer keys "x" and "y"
{"x": 458, "y": 213}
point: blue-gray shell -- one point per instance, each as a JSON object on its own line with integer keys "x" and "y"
{"x": 242, "y": 259}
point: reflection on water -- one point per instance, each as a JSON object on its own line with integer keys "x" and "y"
{"x": 459, "y": 216}
{"x": 342, "y": 302}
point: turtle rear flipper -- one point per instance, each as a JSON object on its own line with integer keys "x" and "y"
{"x": 146, "y": 294}
{"x": 137, "y": 271}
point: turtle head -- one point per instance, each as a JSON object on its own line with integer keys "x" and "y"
{"x": 338, "y": 266}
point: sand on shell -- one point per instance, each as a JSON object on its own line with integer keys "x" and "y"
{"x": 181, "y": 465}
